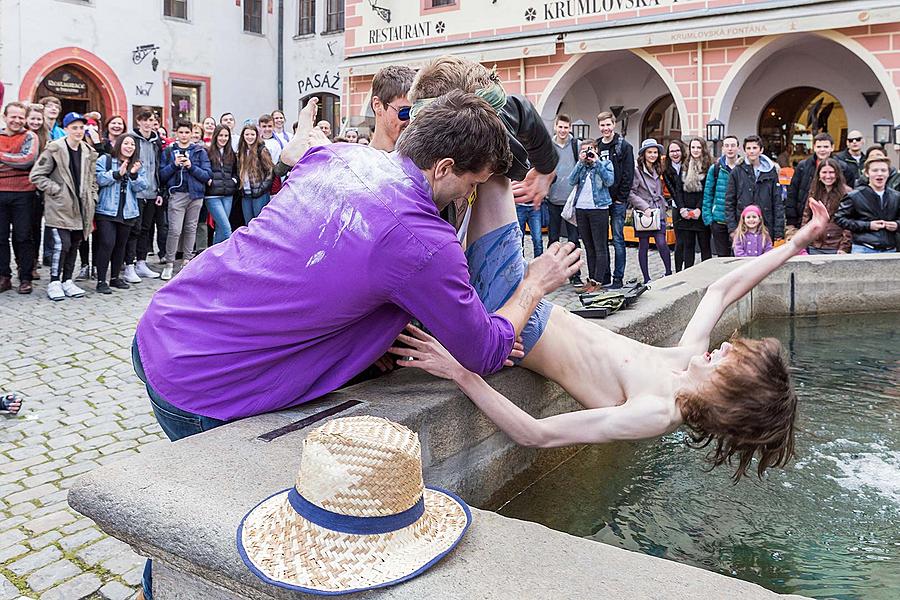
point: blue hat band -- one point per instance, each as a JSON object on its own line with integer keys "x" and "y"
{"x": 352, "y": 524}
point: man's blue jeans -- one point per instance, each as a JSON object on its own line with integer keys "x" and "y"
{"x": 860, "y": 249}
{"x": 176, "y": 424}
{"x": 532, "y": 216}
{"x": 617, "y": 223}
{"x": 220, "y": 207}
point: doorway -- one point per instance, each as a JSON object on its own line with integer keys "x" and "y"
{"x": 662, "y": 121}
{"x": 791, "y": 120}
{"x": 76, "y": 89}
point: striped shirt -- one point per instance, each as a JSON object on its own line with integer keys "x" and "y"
{"x": 18, "y": 152}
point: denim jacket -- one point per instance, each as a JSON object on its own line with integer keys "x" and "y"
{"x": 110, "y": 186}
{"x": 602, "y": 178}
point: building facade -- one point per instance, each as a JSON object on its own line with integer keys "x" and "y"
{"x": 784, "y": 69}
{"x": 183, "y": 58}
{"x": 313, "y": 57}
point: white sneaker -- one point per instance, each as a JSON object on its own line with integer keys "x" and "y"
{"x": 71, "y": 290}
{"x": 55, "y": 291}
{"x": 142, "y": 270}
{"x": 167, "y": 272}
{"x": 130, "y": 276}
{"x": 83, "y": 274}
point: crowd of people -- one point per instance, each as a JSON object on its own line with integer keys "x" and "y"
{"x": 104, "y": 194}
{"x": 92, "y": 189}
{"x": 731, "y": 205}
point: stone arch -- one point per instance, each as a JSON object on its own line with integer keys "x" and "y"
{"x": 765, "y": 48}
{"x": 104, "y": 76}
{"x": 576, "y": 68}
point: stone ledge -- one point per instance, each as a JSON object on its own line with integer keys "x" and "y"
{"x": 181, "y": 502}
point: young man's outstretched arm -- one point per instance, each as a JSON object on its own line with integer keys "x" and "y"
{"x": 631, "y": 421}
{"x": 732, "y": 287}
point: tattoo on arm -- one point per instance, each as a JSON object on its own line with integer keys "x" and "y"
{"x": 526, "y": 301}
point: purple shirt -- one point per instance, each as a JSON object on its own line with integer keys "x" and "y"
{"x": 315, "y": 290}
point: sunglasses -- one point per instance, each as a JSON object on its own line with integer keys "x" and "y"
{"x": 856, "y": 139}
{"x": 402, "y": 112}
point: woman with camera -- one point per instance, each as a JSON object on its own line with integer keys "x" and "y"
{"x": 591, "y": 179}
{"x": 649, "y": 206}
{"x": 120, "y": 176}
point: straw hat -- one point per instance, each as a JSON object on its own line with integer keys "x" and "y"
{"x": 358, "y": 517}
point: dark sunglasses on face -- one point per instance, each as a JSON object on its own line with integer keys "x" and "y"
{"x": 402, "y": 112}
{"x": 856, "y": 139}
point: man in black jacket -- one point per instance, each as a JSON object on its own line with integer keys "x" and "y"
{"x": 755, "y": 181}
{"x": 872, "y": 212}
{"x": 612, "y": 146}
{"x": 801, "y": 182}
{"x": 853, "y": 156}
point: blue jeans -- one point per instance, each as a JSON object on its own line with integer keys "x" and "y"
{"x": 176, "y": 424}
{"x": 528, "y": 214}
{"x": 220, "y": 207}
{"x": 253, "y": 206}
{"x": 860, "y": 249}
{"x": 617, "y": 220}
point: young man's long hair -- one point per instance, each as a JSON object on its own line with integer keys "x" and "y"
{"x": 747, "y": 407}
{"x": 254, "y": 161}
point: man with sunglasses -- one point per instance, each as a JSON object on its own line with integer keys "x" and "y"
{"x": 853, "y": 156}
{"x": 801, "y": 182}
{"x": 389, "y": 88}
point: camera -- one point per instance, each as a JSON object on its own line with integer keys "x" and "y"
{"x": 590, "y": 154}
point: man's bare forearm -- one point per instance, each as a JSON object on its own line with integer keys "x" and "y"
{"x": 521, "y": 304}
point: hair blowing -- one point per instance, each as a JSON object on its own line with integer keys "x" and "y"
{"x": 748, "y": 407}
{"x": 460, "y": 126}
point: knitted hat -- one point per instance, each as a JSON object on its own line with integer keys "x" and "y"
{"x": 752, "y": 208}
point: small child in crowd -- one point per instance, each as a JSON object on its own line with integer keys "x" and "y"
{"x": 751, "y": 238}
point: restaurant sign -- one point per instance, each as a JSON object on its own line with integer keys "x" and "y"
{"x": 65, "y": 83}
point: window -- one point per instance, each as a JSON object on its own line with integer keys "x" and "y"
{"x": 185, "y": 102}
{"x": 334, "y": 16}
{"x": 307, "y": 23}
{"x": 441, "y": 3}
{"x": 177, "y": 9}
{"x": 253, "y": 16}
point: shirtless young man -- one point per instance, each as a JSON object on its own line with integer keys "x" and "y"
{"x": 738, "y": 398}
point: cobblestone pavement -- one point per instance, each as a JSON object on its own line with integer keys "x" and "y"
{"x": 83, "y": 407}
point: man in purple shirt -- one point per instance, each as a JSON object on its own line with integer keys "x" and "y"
{"x": 317, "y": 287}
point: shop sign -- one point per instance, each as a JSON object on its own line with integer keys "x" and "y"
{"x": 320, "y": 81}
{"x": 568, "y": 9}
{"x": 65, "y": 83}
{"x": 409, "y": 31}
